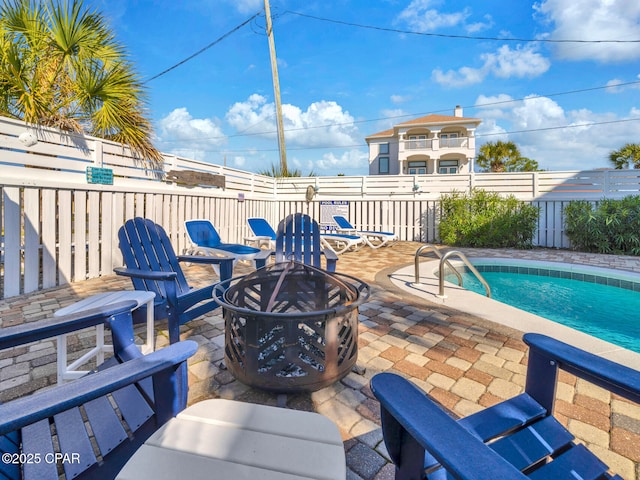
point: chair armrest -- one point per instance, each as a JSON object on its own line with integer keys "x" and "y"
{"x": 30, "y": 409}
{"x": 547, "y": 355}
{"x": 34, "y": 331}
{"x": 330, "y": 255}
{"x": 412, "y": 423}
{"x": 206, "y": 259}
{"x": 147, "y": 274}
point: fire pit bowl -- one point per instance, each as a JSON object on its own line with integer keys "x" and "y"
{"x": 291, "y": 327}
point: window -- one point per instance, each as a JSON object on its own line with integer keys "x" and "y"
{"x": 383, "y": 164}
{"x": 447, "y": 166}
{"x": 417, "y": 168}
{"x": 383, "y": 148}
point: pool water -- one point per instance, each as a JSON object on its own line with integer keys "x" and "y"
{"x": 603, "y": 311}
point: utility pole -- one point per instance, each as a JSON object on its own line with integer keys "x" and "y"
{"x": 284, "y": 171}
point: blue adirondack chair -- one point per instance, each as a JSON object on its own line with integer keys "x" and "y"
{"x": 516, "y": 439}
{"x": 205, "y": 239}
{"x": 298, "y": 238}
{"x": 111, "y": 411}
{"x": 152, "y": 265}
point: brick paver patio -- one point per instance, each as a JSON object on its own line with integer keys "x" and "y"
{"x": 465, "y": 362}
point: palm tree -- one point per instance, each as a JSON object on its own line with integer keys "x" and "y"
{"x": 61, "y": 66}
{"x": 504, "y": 157}
{"x": 626, "y": 156}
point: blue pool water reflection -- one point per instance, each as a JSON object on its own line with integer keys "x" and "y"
{"x": 605, "y": 311}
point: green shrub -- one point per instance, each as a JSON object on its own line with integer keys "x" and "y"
{"x": 609, "y": 226}
{"x": 485, "y": 219}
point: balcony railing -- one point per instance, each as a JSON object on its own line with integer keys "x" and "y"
{"x": 458, "y": 142}
{"x": 420, "y": 144}
{"x": 436, "y": 143}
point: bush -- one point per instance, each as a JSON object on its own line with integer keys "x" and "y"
{"x": 485, "y": 219}
{"x": 609, "y": 226}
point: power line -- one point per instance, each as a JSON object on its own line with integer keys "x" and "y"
{"x": 561, "y": 127}
{"x": 414, "y": 115}
{"x": 327, "y": 147}
{"x": 463, "y": 37}
{"x": 202, "y": 50}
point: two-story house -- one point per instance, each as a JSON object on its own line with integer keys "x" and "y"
{"x": 434, "y": 144}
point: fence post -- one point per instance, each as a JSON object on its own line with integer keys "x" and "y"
{"x": 98, "y": 159}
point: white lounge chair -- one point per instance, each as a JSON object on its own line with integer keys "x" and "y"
{"x": 372, "y": 238}
{"x": 338, "y": 242}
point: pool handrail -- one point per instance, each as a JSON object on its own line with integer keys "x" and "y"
{"x": 436, "y": 250}
{"x": 469, "y": 265}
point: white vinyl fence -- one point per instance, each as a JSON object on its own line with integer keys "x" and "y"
{"x": 57, "y": 227}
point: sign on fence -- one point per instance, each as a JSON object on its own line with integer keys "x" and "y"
{"x": 192, "y": 178}
{"x": 329, "y": 208}
{"x": 103, "y": 176}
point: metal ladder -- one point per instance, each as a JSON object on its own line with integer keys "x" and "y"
{"x": 444, "y": 260}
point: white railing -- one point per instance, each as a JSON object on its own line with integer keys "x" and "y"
{"x": 57, "y": 228}
{"x": 420, "y": 144}
{"x": 457, "y": 142}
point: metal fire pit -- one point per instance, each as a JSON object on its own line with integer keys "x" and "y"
{"x": 291, "y": 327}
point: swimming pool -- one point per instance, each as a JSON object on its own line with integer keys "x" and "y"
{"x": 601, "y": 302}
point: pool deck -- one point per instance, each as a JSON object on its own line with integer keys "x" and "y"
{"x": 450, "y": 348}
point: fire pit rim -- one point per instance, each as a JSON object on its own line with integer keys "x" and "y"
{"x": 362, "y": 288}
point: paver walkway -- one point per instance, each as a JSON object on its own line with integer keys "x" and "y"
{"x": 465, "y": 362}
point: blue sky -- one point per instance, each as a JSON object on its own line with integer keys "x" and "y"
{"x": 341, "y": 82}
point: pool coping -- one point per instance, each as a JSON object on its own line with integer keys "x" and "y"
{"x": 480, "y": 306}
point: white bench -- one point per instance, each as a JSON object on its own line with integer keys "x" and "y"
{"x": 70, "y": 371}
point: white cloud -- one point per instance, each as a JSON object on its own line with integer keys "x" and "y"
{"x": 400, "y": 98}
{"x": 618, "y": 86}
{"x": 462, "y": 77}
{"x": 247, "y": 6}
{"x": 593, "y": 20}
{"x": 239, "y": 161}
{"x": 523, "y": 61}
{"x": 480, "y": 26}
{"x": 181, "y": 134}
{"x": 420, "y": 16}
{"x": 350, "y": 160}
{"x": 323, "y": 123}
{"x": 518, "y": 63}
{"x": 535, "y": 125}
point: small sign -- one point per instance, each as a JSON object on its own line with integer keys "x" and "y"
{"x": 192, "y": 178}
{"x": 100, "y": 175}
{"x": 329, "y": 208}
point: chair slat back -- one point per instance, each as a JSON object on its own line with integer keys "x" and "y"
{"x": 261, "y": 228}
{"x": 146, "y": 246}
{"x": 298, "y": 238}
{"x": 203, "y": 233}
{"x": 343, "y": 222}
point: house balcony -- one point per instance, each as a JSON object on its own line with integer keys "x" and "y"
{"x": 464, "y": 145}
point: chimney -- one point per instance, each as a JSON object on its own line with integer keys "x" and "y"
{"x": 457, "y": 112}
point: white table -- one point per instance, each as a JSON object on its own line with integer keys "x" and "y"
{"x": 225, "y": 439}
{"x": 71, "y": 372}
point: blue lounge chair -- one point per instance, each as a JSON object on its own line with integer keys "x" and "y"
{"x": 516, "y": 439}
{"x": 152, "y": 265}
{"x": 339, "y": 243}
{"x": 372, "y": 238}
{"x": 298, "y": 238}
{"x": 205, "y": 239}
{"x": 90, "y": 427}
